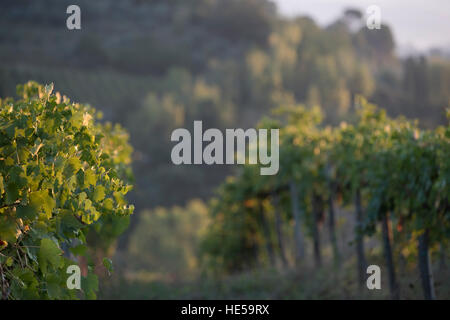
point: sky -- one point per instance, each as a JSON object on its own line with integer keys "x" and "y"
{"x": 416, "y": 23}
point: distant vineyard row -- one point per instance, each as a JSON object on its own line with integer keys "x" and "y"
{"x": 392, "y": 172}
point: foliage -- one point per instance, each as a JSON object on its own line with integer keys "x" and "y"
{"x": 401, "y": 171}
{"x": 62, "y": 173}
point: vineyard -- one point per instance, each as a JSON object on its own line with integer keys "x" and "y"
{"x": 64, "y": 178}
{"x": 98, "y": 199}
{"x": 394, "y": 176}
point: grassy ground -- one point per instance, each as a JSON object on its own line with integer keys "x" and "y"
{"x": 310, "y": 283}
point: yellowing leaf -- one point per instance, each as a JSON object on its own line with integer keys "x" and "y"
{"x": 99, "y": 193}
